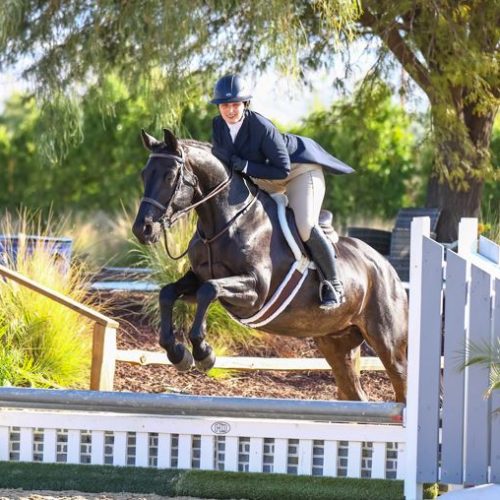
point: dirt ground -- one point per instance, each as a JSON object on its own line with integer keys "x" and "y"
{"x": 136, "y": 333}
{"x": 75, "y": 495}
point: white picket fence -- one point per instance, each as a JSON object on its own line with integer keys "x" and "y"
{"x": 200, "y": 442}
{"x": 459, "y": 294}
{"x": 453, "y": 431}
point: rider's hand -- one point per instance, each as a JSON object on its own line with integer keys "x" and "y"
{"x": 222, "y": 154}
{"x": 238, "y": 164}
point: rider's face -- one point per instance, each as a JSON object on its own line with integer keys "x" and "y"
{"x": 231, "y": 112}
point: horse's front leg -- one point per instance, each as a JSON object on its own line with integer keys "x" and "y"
{"x": 176, "y": 352}
{"x": 238, "y": 290}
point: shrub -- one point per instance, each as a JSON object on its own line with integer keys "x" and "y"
{"x": 42, "y": 343}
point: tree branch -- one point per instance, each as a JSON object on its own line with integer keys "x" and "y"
{"x": 397, "y": 45}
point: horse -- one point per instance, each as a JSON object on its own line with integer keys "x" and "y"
{"x": 240, "y": 256}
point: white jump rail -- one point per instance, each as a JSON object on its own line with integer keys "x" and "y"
{"x": 164, "y": 431}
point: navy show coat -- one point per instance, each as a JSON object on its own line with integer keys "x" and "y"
{"x": 269, "y": 152}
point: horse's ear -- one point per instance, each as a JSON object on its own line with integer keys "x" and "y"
{"x": 148, "y": 140}
{"x": 170, "y": 140}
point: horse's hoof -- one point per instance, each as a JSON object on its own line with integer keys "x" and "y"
{"x": 206, "y": 363}
{"x": 185, "y": 363}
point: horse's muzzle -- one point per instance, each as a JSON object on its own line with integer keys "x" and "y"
{"x": 146, "y": 231}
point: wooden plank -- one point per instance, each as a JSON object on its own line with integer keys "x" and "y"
{"x": 378, "y": 460}
{"x": 305, "y": 457}
{"x": 50, "y": 446}
{"x": 185, "y": 453}
{"x": 26, "y": 445}
{"x": 354, "y": 459}
{"x": 142, "y": 449}
{"x": 97, "y": 453}
{"x": 256, "y": 462}
{"x": 231, "y": 454}
{"x": 73, "y": 446}
{"x": 429, "y": 363}
{"x": 280, "y": 462}
{"x": 495, "y": 437}
{"x": 330, "y": 458}
{"x": 495, "y": 398}
{"x": 420, "y": 227}
{"x": 489, "y": 249}
{"x": 452, "y": 446}
{"x": 401, "y": 462}
{"x": 4, "y": 443}
{"x": 120, "y": 448}
{"x": 477, "y": 447}
{"x": 366, "y": 363}
{"x": 207, "y": 451}
{"x": 58, "y": 297}
{"x": 103, "y": 366}
{"x": 164, "y": 450}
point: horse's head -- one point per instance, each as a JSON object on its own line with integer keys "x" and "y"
{"x": 168, "y": 186}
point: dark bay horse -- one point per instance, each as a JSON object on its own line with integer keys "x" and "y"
{"x": 239, "y": 256}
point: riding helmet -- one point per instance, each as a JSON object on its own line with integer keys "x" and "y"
{"x": 231, "y": 88}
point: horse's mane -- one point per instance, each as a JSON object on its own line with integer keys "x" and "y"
{"x": 197, "y": 144}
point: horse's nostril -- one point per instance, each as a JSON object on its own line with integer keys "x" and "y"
{"x": 148, "y": 229}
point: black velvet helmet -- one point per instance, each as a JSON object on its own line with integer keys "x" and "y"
{"x": 231, "y": 88}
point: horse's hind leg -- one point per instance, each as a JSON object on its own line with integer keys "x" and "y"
{"x": 386, "y": 334}
{"x": 176, "y": 352}
{"x": 338, "y": 349}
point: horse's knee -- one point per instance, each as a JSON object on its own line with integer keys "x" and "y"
{"x": 207, "y": 293}
{"x": 168, "y": 295}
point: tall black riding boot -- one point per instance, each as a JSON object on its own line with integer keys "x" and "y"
{"x": 323, "y": 254}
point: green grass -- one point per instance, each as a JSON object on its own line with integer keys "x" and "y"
{"x": 42, "y": 343}
{"x": 204, "y": 484}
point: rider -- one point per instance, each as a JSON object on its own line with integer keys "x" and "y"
{"x": 284, "y": 163}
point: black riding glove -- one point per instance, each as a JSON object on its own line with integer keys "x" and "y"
{"x": 222, "y": 154}
{"x": 238, "y": 164}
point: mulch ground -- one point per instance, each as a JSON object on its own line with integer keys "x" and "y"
{"x": 136, "y": 333}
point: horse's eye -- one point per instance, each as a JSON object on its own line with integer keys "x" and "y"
{"x": 169, "y": 177}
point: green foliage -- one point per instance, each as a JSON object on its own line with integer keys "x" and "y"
{"x": 165, "y": 51}
{"x": 42, "y": 343}
{"x": 223, "y": 333}
{"x": 99, "y": 173}
{"x": 486, "y": 355}
{"x": 374, "y": 136}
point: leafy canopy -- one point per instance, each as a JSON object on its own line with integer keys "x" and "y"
{"x": 170, "y": 52}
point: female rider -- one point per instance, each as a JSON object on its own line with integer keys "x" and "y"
{"x": 285, "y": 163}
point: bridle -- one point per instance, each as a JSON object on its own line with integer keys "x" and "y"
{"x": 187, "y": 180}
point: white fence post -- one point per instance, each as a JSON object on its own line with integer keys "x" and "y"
{"x": 420, "y": 227}
{"x": 467, "y": 236}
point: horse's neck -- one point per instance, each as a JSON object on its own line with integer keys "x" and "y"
{"x": 218, "y": 211}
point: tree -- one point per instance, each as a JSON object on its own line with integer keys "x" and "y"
{"x": 449, "y": 49}
{"x": 375, "y": 136}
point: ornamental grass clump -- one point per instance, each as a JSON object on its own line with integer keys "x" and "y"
{"x": 42, "y": 343}
{"x": 224, "y": 334}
